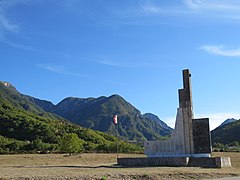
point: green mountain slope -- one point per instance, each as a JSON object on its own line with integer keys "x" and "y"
{"x": 21, "y": 127}
{"x": 226, "y": 134}
{"x": 97, "y": 114}
{"x": 8, "y": 93}
{"x": 93, "y": 113}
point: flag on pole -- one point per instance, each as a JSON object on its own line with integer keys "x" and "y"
{"x": 115, "y": 119}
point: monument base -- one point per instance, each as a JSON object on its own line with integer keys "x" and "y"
{"x": 205, "y": 162}
{"x": 180, "y": 155}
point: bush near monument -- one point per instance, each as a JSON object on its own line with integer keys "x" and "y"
{"x": 70, "y": 143}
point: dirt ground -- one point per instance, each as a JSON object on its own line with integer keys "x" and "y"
{"x": 101, "y": 166}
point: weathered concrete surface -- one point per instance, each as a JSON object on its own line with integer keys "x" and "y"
{"x": 210, "y": 162}
{"x": 191, "y": 137}
{"x": 201, "y": 136}
{"x": 205, "y": 162}
{"x": 153, "y": 161}
{"x": 223, "y": 162}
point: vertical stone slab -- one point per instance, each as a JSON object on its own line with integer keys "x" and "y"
{"x": 177, "y": 134}
{"x": 185, "y": 94}
{"x": 185, "y": 104}
{"x": 187, "y": 131}
{"x": 201, "y": 136}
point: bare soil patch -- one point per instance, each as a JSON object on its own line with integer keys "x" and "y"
{"x": 101, "y": 166}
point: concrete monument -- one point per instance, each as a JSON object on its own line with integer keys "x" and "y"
{"x": 191, "y": 137}
{"x": 190, "y": 142}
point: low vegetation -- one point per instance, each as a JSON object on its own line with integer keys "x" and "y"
{"x": 232, "y": 147}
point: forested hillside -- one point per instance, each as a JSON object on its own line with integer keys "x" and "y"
{"x": 26, "y": 127}
{"x": 97, "y": 114}
{"x": 227, "y": 134}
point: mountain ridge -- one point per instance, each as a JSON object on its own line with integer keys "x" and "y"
{"x": 228, "y": 121}
{"x": 26, "y": 127}
{"x": 97, "y": 114}
{"x": 157, "y": 119}
{"x": 226, "y": 133}
{"x": 132, "y": 124}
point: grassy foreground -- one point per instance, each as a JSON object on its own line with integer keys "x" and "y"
{"x": 101, "y": 166}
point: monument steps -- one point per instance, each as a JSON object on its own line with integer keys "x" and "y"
{"x": 204, "y": 162}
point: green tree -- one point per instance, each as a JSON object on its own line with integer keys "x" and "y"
{"x": 70, "y": 143}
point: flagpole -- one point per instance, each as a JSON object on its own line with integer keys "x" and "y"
{"x": 117, "y": 140}
{"x": 115, "y": 120}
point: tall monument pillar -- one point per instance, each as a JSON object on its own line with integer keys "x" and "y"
{"x": 185, "y": 106}
{"x": 190, "y": 137}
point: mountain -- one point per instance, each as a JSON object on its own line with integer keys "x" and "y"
{"x": 93, "y": 113}
{"x": 9, "y": 93}
{"x": 9, "y": 86}
{"x": 97, "y": 114}
{"x": 227, "y": 133}
{"x": 228, "y": 121}
{"x": 24, "y": 126}
{"x": 155, "y": 118}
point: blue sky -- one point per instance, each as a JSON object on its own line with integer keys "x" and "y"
{"x": 52, "y": 49}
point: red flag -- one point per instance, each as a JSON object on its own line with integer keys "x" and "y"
{"x": 115, "y": 119}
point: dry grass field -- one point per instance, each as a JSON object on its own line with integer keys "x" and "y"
{"x": 101, "y": 166}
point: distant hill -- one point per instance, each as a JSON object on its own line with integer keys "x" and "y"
{"x": 25, "y": 126}
{"x": 97, "y": 114}
{"x": 228, "y": 121}
{"x": 155, "y": 118}
{"x": 227, "y": 133}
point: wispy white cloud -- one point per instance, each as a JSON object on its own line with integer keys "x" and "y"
{"x": 110, "y": 63}
{"x": 125, "y": 64}
{"x": 21, "y": 46}
{"x": 223, "y": 9}
{"x": 158, "y": 9}
{"x": 6, "y": 24}
{"x": 149, "y": 12}
{"x": 60, "y": 70}
{"x": 150, "y": 9}
{"x": 221, "y": 51}
{"x": 217, "y": 5}
{"x": 215, "y": 119}
{"x": 228, "y": 9}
